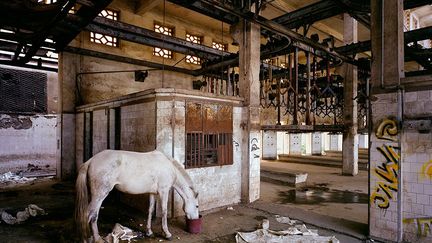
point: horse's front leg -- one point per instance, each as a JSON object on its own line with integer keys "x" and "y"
{"x": 149, "y": 232}
{"x": 164, "y": 203}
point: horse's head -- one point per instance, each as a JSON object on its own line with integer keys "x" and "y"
{"x": 190, "y": 206}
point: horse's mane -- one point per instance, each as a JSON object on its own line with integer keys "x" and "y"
{"x": 183, "y": 172}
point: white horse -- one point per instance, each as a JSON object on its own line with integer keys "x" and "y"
{"x": 133, "y": 173}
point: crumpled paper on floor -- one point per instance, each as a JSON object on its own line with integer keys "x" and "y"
{"x": 31, "y": 210}
{"x": 295, "y": 234}
{"x": 121, "y": 232}
{"x": 285, "y": 220}
{"x": 15, "y": 178}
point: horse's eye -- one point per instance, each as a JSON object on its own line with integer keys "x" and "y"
{"x": 197, "y": 206}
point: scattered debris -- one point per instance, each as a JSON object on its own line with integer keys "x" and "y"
{"x": 32, "y": 167}
{"x": 15, "y": 178}
{"x": 294, "y": 234}
{"x": 121, "y": 232}
{"x": 31, "y": 210}
{"x": 285, "y": 220}
{"x": 230, "y": 208}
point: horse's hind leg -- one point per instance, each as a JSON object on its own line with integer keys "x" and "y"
{"x": 94, "y": 206}
{"x": 150, "y": 214}
{"x": 164, "y": 203}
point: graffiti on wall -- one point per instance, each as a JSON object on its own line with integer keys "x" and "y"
{"x": 387, "y": 172}
{"x": 387, "y": 130}
{"x": 255, "y": 148}
{"x": 426, "y": 171}
{"x": 424, "y": 225}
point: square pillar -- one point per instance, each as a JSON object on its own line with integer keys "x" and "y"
{"x": 295, "y": 143}
{"x": 350, "y": 137}
{"x": 248, "y": 36}
{"x": 269, "y": 145}
{"x": 317, "y": 143}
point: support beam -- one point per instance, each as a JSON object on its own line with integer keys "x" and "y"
{"x": 387, "y": 40}
{"x": 304, "y": 42}
{"x": 350, "y": 137}
{"x": 123, "y": 59}
{"x": 309, "y": 14}
{"x": 249, "y": 41}
{"x": 148, "y": 37}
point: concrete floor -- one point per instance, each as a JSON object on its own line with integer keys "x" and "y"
{"x": 326, "y": 192}
{"x": 57, "y": 198}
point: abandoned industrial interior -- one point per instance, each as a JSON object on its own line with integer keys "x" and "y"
{"x": 216, "y": 121}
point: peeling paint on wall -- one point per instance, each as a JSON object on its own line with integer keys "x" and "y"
{"x": 15, "y": 122}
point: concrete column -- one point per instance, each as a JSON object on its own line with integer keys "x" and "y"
{"x": 295, "y": 143}
{"x": 269, "y": 145}
{"x": 363, "y": 141}
{"x": 350, "y": 137}
{"x": 387, "y": 42}
{"x": 334, "y": 142}
{"x": 68, "y": 67}
{"x": 387, "y": 69}
{"x": 248, "y": 36}
{"x": 317, "y": 143}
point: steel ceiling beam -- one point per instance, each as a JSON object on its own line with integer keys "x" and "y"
{"x": 207, "y": 9}
{"x": 123, "y": 59}
{"x": 304, "y": 43}
{"x": 150, "y": 38}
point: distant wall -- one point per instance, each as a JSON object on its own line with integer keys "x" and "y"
{"x": 28, "y": 142}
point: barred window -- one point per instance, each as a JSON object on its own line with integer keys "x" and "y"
{"x": 160, "y": 52}
{"x": 197, "y": 40}
{"x": 105, "y": 39}
{"x": 220, "y": 46}
{"x": 209, "y": 131}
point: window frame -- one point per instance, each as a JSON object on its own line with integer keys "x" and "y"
{"x": 208, "y": 139}
{"x": 114, "y": 40}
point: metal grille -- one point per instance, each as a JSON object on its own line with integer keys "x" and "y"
{"x": 22, "y": 91}
{"x": 208, "y": 135}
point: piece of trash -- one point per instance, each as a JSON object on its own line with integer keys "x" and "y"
{"x": 10, "y": 177}
{"x": 230, "y": 208}
{"x": 285, "y": 220}
{"x": 120, "y": 232}
{"x": 160, "y": 240}
{"x": 102, "y": 207}
{"x": 221, "y": 217}
{"x": 31, "y": 210}
{"x": 298, "y": 233}
{"x": 141, "y": 225}
{"x": 178, "y": 238}
{"x": 265, "y": 224}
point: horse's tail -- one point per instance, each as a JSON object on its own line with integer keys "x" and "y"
{"x": 81, "y": 203}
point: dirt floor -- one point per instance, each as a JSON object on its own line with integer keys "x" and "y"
{"x": 57, "y": 198}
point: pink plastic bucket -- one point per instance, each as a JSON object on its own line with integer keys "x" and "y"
{"x": 194, "y": 226}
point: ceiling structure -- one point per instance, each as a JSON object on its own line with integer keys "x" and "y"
{"x": 31, "y": 31}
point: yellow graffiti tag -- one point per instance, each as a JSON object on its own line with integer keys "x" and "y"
{"x": 387, "y": 129}
{"x": 423, "y": 225}
{"x": 426, "y": 171}
{"x": 388, "y": 172}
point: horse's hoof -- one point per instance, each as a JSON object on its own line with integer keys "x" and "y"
{"x": 169, "y": 238}
{"x": 151, "y": 235}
